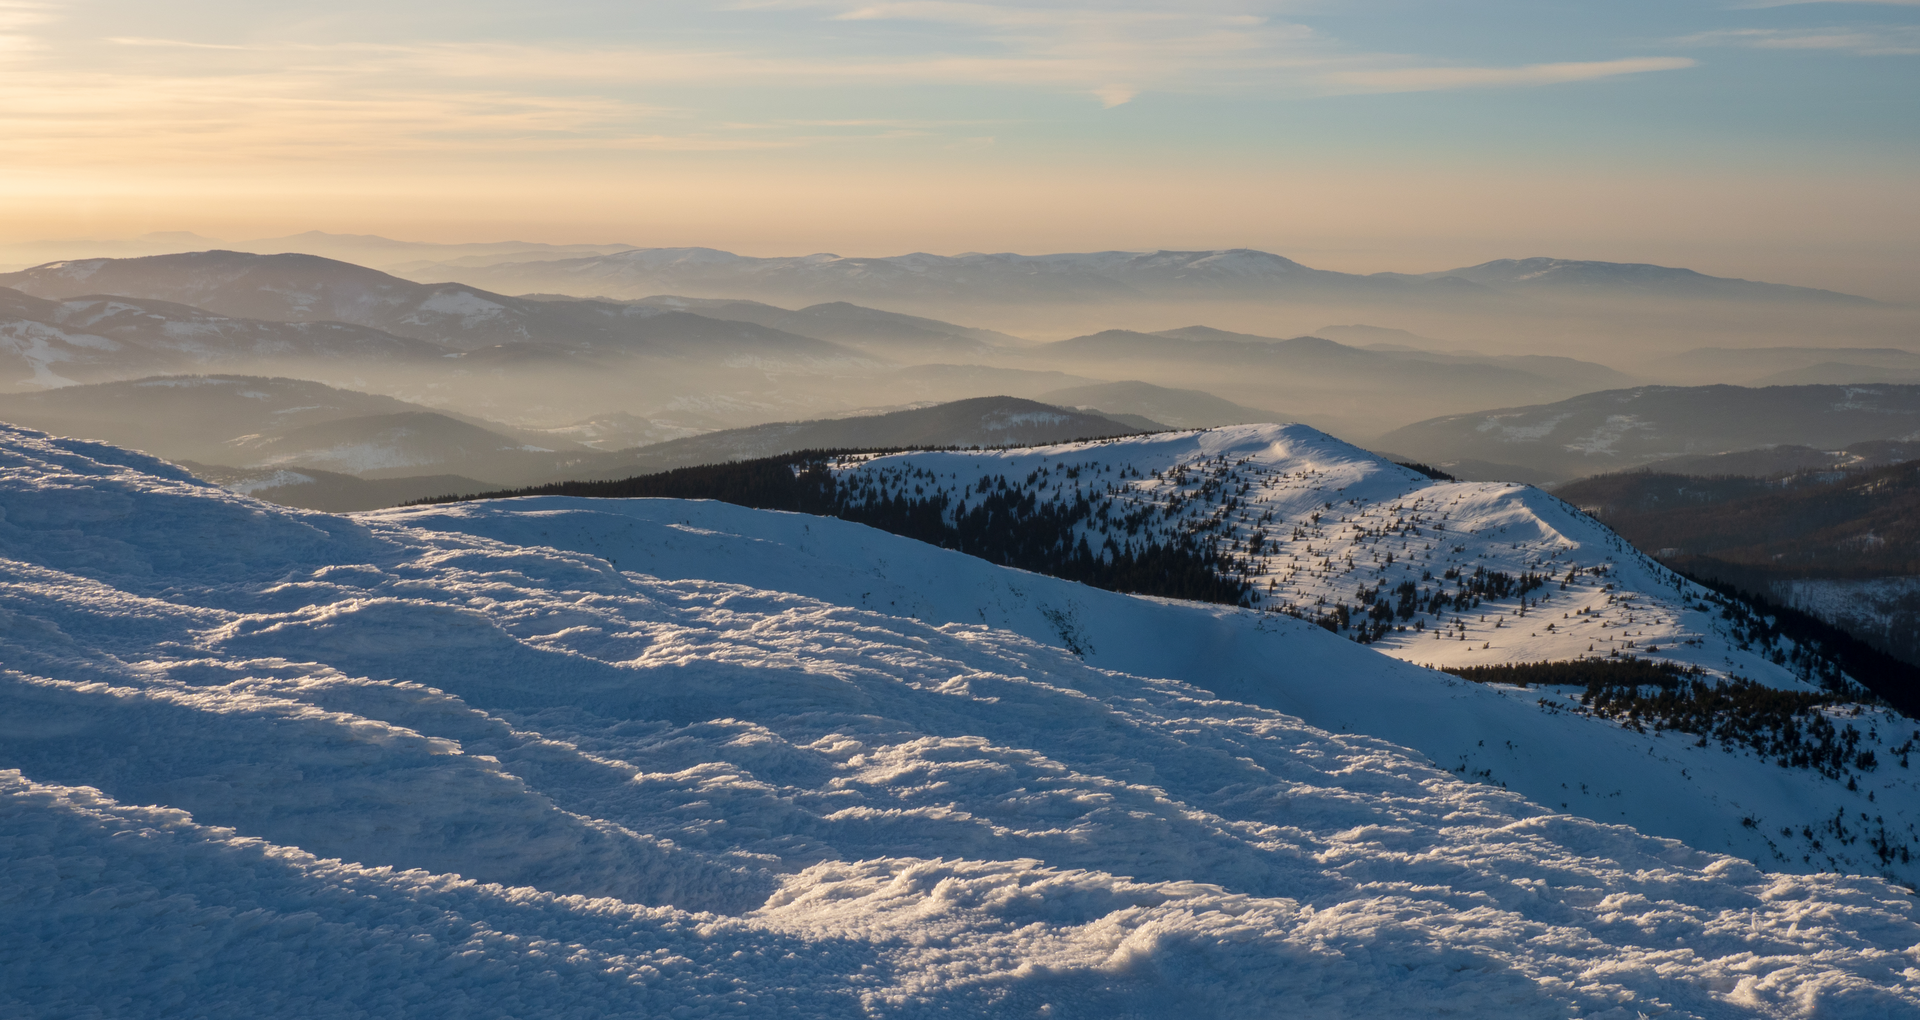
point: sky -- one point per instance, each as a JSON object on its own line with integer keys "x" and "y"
{"x": 1761, "y": 139}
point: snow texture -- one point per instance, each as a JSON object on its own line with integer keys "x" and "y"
{"x": 261, "y": 762}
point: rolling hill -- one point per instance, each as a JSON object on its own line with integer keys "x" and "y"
{"x": 1628, "y": 280}
{"x": 1841, "y": 544}
{"x": 47, "y": 343}
{"x": 1789, "y": 459}
{"x": 1181, "y": 409}
{"x": 331, "y": 492}
{"x": 253, "y": 421}
{"x": 306, "y": 288}
{"x": 1618, "y": 429}
{"x": 889, "y": 334}
{"x": 978, "y": 421}
{"x": 1347, "y": 390}
{"x": 1790, "y": 366}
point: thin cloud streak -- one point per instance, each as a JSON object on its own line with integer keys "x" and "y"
{"x": 1893, "y": 40}
{"x": 1433, "y": 79}
{"x": 1769, "y": 4}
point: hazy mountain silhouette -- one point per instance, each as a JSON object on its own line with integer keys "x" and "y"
{"x": 332, "y": 492}
{"x": 218, "y": 418}
{"x": 1182, "y": 409}
{"x": 307, "y": 288}
{"x": 1789, "y": 458}
{"x": 889, "y": 333}
{"x": 1627, "y": 279}
{"x": 48, "y": 342}
{"x": 1786, "y": 366}
{"x": 981, "y": 421}
{"x": 1074, "y": 277}
{"x": 1617, "y": 429}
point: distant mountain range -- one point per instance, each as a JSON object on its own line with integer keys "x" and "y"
{"x": 247, "y": 421}
{"x": 1791, "y": 366}
{"x": 1174, "y": 408}
{"x": 307, "y": 288}
{"x": 679, "y": 364}
{"x": 1347, "y": 390}
{"x": 1077, "y": 277}
{"x": 1790, "y": 458}
{"x": 1619, "y": 429}
{"x": 365, "y": 249}
{"x": 498, "y": 353}
{"x": 628, "y": 271}
{"x": 84, "y": 339}
{"x": 890, "y": 334}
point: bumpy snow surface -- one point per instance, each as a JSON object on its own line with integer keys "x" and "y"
{"x": 262, "y": 762}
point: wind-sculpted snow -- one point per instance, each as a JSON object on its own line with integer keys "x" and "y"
{"x": 261, "y": 762}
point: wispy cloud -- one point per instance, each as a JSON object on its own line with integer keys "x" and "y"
{"x": 17, "y": 17}
{"x": 1887, "y": 40}
{"x": 1113, "y": 52}
{"x": 141, "y": 98}
{"x": 1432, "y": 79}
{"x": 1764, "y": 4}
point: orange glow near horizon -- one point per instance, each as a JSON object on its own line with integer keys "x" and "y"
{"x": 1359, "y": 220}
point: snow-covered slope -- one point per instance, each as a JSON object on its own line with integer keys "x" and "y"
{"x": 1667, "y": 785}
{"x": 434, "y": 763}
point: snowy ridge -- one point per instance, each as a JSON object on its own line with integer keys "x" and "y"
{"x": 400, "y": 764}
{"x": 1313, "y": 524}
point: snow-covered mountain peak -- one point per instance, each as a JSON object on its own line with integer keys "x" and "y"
{"x": 1435, "y": 572}
{"x": 1236, "y": 262}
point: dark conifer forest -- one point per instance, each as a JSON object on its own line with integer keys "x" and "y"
{"x": 999, "y": 521}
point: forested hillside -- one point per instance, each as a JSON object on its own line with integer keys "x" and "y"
{"x": 1825, "y": 524}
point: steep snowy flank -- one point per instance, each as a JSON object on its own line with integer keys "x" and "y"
{"x": 270, "y": 762}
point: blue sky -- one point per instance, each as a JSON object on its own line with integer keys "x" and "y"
{"x": 1781, "y": 132}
